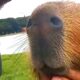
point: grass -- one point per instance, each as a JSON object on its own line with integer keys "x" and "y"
{"x": 17, "y": 67}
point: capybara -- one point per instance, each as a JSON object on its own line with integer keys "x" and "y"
{"x": 54, "y": 34}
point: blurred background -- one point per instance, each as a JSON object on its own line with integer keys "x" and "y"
{"x": 15, "y": 63}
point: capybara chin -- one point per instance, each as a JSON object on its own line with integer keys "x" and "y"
{"x": 54, "y": 34}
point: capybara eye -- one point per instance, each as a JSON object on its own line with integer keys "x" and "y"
{"x": 56, "y": 22}
{"x": 29, "y": 23}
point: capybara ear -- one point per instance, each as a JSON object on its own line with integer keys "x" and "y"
{"x": 2, "y": 2}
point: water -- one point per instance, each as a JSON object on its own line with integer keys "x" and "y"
{"x": 14, "y": 43}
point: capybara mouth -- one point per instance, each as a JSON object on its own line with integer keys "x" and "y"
{"x": 54, "y": 72}
{"x": 62, "y": 71}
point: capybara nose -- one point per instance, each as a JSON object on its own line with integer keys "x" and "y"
{"x": 56, "y": 22}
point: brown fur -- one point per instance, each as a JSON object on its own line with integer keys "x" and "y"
{"x": 70, "y": 15}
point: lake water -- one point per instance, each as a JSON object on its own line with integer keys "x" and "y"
{"x": 14, "y": 43}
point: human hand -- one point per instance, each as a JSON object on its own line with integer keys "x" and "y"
{"x": 74, "y": 75}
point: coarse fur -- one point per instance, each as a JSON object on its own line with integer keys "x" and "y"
{"x": 55, "y": 49}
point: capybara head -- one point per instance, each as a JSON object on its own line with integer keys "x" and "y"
{"x": 54, "y": 38}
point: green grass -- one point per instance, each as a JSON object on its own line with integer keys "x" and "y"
{"x": 17, "y": 67}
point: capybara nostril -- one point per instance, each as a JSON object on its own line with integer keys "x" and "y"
{"x": 56, "y": 22}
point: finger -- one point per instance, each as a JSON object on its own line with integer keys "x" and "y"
{"x": 59, "y": 78}
{"x": 74, "y": 75}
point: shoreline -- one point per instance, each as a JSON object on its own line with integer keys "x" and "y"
{"x": 14, "y": 43}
